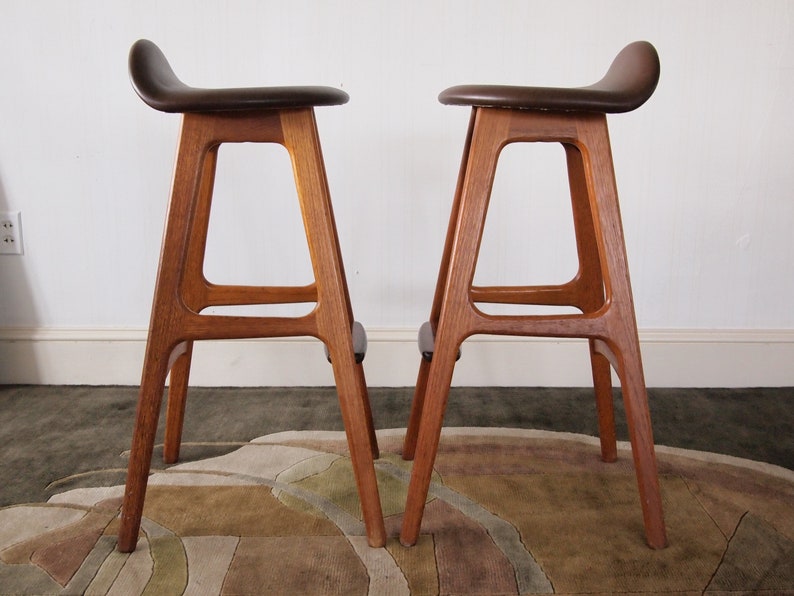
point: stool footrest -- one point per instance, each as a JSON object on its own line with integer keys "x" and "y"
{"x": 237, "y": 295}
{"x": 568, "y": 294}
{"x": 359, "y": 343}
{"x": 427, "y": 342}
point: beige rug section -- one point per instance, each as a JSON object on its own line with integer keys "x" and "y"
{"x": 510, "y": 512}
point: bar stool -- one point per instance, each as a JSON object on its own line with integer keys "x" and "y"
{"x": 601, "y": 290}
{"x": 210, "y": 117}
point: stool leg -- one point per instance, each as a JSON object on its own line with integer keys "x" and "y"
{"x": 334, "y": 313}
{"x": 193, "y": 294}
{"x": 359, "y": 435}
{"x": 590, "y": 294}
{"x": 439, "y": 379}
{"x": 162, "y": 349}
{"x": 366, "y": 406}
{"x": 155, "y": 371}
{"x": 605, "y": 408}
{"x": 417, "y": 407}
{"x": 623, "y": 341}
{"x": 175, "y": 409}
{"x": 455, "y": 310}
{"x": 635, "y": 400}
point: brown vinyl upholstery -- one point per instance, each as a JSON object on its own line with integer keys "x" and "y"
{"x": 157, "y": 85}
{"x": 628, "y": 84}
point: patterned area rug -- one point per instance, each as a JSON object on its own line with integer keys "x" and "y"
{"x": 510, "y": 512}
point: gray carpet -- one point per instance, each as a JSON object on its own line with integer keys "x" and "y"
{"x": 49, "y": 433}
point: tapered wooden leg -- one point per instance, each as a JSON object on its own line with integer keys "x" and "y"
{"x": 334, "y": 313}
{"x": 367, "y": 408}
{"x": 155, "y": 371}
{"x": 175, "y": 410}
{"x": 623, "y": 341}
{"x": 635, "y": 400}
{"x": 487, "y": 130}
{"x": 417, "y": 407}
{"x": 590, "y": 294}
{"x": 193, "y": 289}
{"x": 441, "y": 369}
{"x": 605, "y": 409}
{"x": 360, "y": 442}
{"x": 162, "y": 349}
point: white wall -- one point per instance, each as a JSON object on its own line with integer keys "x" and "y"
{"x": 703, "y": 169}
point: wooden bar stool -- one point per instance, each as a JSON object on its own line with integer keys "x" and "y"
{"x": 283, "y": 115}
{"x": 601, "y": 290}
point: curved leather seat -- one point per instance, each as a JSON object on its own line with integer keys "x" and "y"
{"x": 628, "y": 84}
{"x": 157, "y": 85}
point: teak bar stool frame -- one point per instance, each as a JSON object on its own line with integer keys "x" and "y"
{"x": 283, "y": 115}
{"x": 601, "y": 289}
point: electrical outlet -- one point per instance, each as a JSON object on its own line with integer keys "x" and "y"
{"x": 10, "y": 233}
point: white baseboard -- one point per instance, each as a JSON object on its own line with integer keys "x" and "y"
{"x": 672, "y": 358}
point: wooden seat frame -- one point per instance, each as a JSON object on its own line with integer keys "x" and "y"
{"x": 182, "y": 292}
{"x": 601, "y": 289}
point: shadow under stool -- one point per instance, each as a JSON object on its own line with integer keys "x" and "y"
{"x": 210, "y": 117}
{"x": 600, "y": 290}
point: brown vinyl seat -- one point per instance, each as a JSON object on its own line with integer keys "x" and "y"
{"x": 629, "y": 83}
{"x": 211, "y": 117}
{"x": 600, "y": 290}
{"x": 155, "y": 82}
